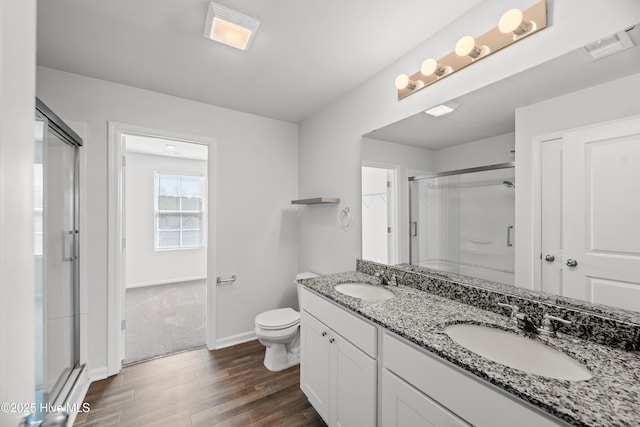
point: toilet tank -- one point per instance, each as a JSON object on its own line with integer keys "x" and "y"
{"x": 299, "y": 276}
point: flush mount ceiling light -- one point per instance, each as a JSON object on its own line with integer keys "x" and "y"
{"x": 229, "y": 27}
{"x": 513, "y": 26}
{"x": 442, "y": 109}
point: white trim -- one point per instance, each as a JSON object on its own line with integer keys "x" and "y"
{"x": 235, "y": 339}
{"x": 165, "y": 282}
{"x": 115, "y": 260}
{"x": 98, "y": 374}
{"x": 77, "y": 395}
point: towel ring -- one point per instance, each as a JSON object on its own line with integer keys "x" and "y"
{"x": 345, "y": 219}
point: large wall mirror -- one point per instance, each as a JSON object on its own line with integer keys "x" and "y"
{"x": 467, "y": 223}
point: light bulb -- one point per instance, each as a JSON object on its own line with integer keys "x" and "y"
{"x": 466, "y": 46}
{"x": 430, "y": 66}
{"x": 402, "y": 81}
{"x": 512, "y": 21}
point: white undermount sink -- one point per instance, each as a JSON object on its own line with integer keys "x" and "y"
{"x": 517, "y": 351}
{"x": 364, "y": 291}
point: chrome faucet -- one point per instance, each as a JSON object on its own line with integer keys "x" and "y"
{"x": 520, "y": 320}
{"x": 524, "y": 322}
{"x": 548, "y": 327}
{"x": 385, "y": 280}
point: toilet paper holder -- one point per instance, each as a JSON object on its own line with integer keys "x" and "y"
{"x": 228, "y": 280}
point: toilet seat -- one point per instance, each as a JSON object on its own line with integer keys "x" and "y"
{"x": 281, "y": 318}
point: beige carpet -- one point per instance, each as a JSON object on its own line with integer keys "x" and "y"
{"x": 164, "y": 319}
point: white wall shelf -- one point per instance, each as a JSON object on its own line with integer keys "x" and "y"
{"x": 316, "y": 201}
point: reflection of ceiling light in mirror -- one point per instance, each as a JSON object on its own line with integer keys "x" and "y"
{"x": 442, "y": 109}
{"x": 609, "y": 45}
{"x": 229, "y": 27}
{"x": 170, "y": 147}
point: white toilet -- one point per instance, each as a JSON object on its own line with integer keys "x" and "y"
{"x": 279, "y": 331}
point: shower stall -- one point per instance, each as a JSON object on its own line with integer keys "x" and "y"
{"x": 56, "y": 254}
{"x": 463, "y": 222}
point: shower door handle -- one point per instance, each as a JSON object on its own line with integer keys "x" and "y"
{"x": 414, "y": 228}
{"x": 68, "y": 240}
{"x": 509, "y": 232}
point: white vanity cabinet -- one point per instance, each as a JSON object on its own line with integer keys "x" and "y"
{"x": 421, "y": 389}
{"x": 338, "y": 363}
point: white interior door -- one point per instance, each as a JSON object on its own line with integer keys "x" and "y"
{"x": 601, "y": 212}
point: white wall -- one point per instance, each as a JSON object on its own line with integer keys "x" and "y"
{"x": 330, "y": 140}
{"x": 144, "y": 264}
{"x": 601, "y": 103}
{"x": 256, "y": 179}
{"x": 17, "y": 286}
{"x": 483, "y": 152}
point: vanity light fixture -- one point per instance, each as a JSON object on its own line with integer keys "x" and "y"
{"x": 442, "y": 109}
{"x": 229, "y": 27}
{"x": 513, "y": 26}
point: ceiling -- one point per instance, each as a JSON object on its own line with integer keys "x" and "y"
{"x": 165, "y": 147}
{"x": 305, "y": 55}
{"x": 490, "y": 111}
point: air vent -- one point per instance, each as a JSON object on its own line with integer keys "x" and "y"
{"x": 609, "y": 45}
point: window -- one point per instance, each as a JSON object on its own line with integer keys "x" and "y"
{"x": 179, "y": 209}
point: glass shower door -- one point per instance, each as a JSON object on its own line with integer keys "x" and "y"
{"x": 56, "y": 255}
{"x": 463, "y": 222}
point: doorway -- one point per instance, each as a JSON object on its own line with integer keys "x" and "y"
{"x": 165, "y": 248}
{"x": 379, "y": 213}
{"x": 161, "y": 257}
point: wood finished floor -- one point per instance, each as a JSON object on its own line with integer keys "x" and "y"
{"x": 228, "y": 387}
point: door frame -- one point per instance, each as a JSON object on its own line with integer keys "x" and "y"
{"x": 394, "y": 244}
{"x": 115, "y": 253}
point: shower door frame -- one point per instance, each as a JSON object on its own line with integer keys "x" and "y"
{"x": 54, "y": 124}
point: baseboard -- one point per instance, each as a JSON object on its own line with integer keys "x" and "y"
{"x": 235, "y": 339}
{"x": 165, "y": 282}
{"x": 98, "y": 374}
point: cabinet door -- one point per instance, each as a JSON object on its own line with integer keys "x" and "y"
{"x": 404, "y": 406}
{"x": 353, "y": 385}
{"x": 315, "y": 363}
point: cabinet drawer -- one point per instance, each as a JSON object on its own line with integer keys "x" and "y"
{"x": 404, "y": 406}
{"x": 359, "y": 332}
{"x": 480, "y": 403}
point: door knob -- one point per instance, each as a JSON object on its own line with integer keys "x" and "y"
{"x": 549, "y": 258}
{"x": 571, "y": 262}
{"x": 331, "y": 340}
{"x": 324, "y": 334}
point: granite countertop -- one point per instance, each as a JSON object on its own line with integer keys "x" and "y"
{"x": 610, "y": 398}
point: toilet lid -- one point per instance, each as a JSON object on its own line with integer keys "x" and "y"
{"x": 278, "y": 319}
